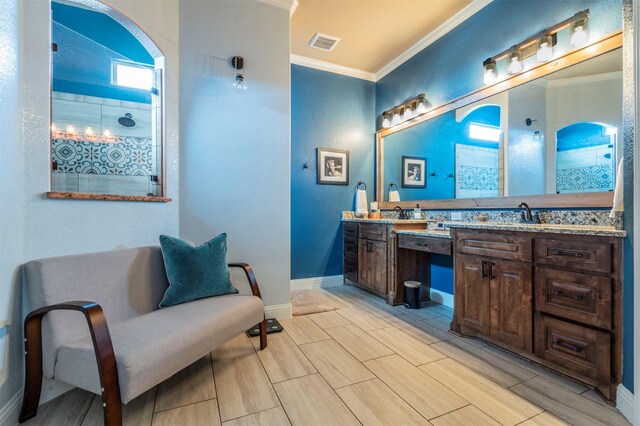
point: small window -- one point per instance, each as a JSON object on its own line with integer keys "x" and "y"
{"x": 484, "y": 132}
{"x": 132, "y": 75}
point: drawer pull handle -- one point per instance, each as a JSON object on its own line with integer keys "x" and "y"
{"x": 567, "y": 254}
{"x": 561, "y": 294}
{"x": 560, "y": 342}
{"x": 423, "y": 244}
{"x": 484, "y": 270}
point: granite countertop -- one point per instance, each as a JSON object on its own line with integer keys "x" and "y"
{"x": 390, "y": 221}
{"x": 604, "y": 231}
{"x": 436, "y": 233}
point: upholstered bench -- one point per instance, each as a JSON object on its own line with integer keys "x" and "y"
{"x": 142, "y": 344}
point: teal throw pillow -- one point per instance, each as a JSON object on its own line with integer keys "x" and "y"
{"x": 195, "y": 272}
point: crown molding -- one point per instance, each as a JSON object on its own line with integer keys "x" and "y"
{"x": 330, "y": 67}
{"x": 433, "y": 36}
{"x": 289, "y": 5}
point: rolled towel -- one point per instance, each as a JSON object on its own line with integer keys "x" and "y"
{"x": 394, "y": 196}
{"x": 361, "y": 202}
{"x": 618, "y": 196}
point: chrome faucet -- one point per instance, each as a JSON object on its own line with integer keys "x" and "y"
{"x": 527, "y": 217}
{"x": 402, "y": 213}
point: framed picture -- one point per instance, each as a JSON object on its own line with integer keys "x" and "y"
{"x": 414, "y": 170}
{"x": 333, "y": 166}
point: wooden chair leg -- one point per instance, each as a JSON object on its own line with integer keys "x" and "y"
{"x": 33, "y": 370}
{"x": 263, "y": 334}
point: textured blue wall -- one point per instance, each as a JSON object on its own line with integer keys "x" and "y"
{"x": 327, "y": 111}
{"x": 87, "y": 43}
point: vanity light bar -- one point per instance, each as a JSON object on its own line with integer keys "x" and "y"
{"x": 406, "y": 111}
{"x": 540, "y": 45}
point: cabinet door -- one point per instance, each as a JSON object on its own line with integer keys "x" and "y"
{"x": 511, "y": 308}
{"x": 364, "y": 263}
{"x": 378, "y": 277}
{"x": 472, "y": 293}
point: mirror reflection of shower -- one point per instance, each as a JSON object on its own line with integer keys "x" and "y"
{"x": 586, "y": 157}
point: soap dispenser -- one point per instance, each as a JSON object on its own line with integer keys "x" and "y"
{"x": 417, "y": 213}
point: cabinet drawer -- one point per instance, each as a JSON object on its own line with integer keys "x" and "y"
{"x": 351, "y": 230}
{"x": 580, "y": 297}
{"x": 487, "y": 243}
{"x": 373, "y": 232}
{"x": 428, "y": 244}
{"x": 587, "y": 255}
{"x": 350, "y": 247}
{"x": 574, "y": 348}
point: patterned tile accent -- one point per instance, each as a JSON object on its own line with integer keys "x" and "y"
{"x": 127, "y": 156}
{"x": 591, "y": 178}
{"x": 478, "y": 178}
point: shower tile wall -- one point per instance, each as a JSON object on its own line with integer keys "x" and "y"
{"x": 123, "y": 166}
{"x": 477, "y": 171}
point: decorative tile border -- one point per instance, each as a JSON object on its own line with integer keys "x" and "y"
{"x": 126, "y": 156}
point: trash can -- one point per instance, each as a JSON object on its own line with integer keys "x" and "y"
{"x": 412, "y": 293}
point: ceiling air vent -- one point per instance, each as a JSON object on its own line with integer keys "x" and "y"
{"x": 323, "y": 42}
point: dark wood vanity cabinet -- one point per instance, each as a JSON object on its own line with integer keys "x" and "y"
{"x": 493, "y": 298}
{"x": 555, "y": 299}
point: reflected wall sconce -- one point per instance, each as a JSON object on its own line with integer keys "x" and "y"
{"x": 541, "y": 45}
{"x": 537, "y": 136}
{"x": 237, "y": 62}
{"x": 406, "y": 111}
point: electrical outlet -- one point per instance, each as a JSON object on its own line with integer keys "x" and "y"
{"x": 456, "y": 215}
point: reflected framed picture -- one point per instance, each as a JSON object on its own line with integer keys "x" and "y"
{"x": 414, "y": 171}
{"x": 333, "y": 166}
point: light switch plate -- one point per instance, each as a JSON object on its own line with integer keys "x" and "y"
{"x": 456, "y": 215}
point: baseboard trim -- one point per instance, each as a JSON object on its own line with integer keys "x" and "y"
{"x": 625, "y": 403}
{"x": 441, "y": 297}
{"x": 278, "y": 311}
{"x": 317, "y": 282}
{"x": 11, "y": 411}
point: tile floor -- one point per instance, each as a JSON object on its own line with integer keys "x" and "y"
{"x": 366, "y": 363}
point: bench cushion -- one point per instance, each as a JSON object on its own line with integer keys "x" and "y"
{"x": 151, "y": 348}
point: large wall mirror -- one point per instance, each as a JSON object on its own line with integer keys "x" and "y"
{"x": 106, "y": 107}
{"x": 548, "y": 141}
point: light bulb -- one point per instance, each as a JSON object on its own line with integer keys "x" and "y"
{"x": 579, "y": 36}
{"x": 88, "y": 131}
{"x": 515, "y": 66}
{"x": 422, "y": 107}
{"x": 385, "y": 121}
{"x": 106, "y": 133}
{"x": 545, "y": 49}
{"x": 53, "y": 128}
{"x": 71, "y": 129}
{"x": 490, "y": 75}
{"x": 396, "y": 118}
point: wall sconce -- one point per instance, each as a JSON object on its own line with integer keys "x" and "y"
{"x": 545, "y": 49}
{"x": 490, "y": 75}
{"x": 515, "y": 63}
{"x": 540, "y": 45}
{"x": 580, "y": 32}
{"x": 406, "y": 111}
{"x": 237, "y": 62}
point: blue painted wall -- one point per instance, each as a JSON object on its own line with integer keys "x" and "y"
{"x": 327, "y": 111}
{"x": 87, "y": 43}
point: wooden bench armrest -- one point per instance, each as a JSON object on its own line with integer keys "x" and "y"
{"x": 251, "y": 277}
{"x": 102, "y": 346}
